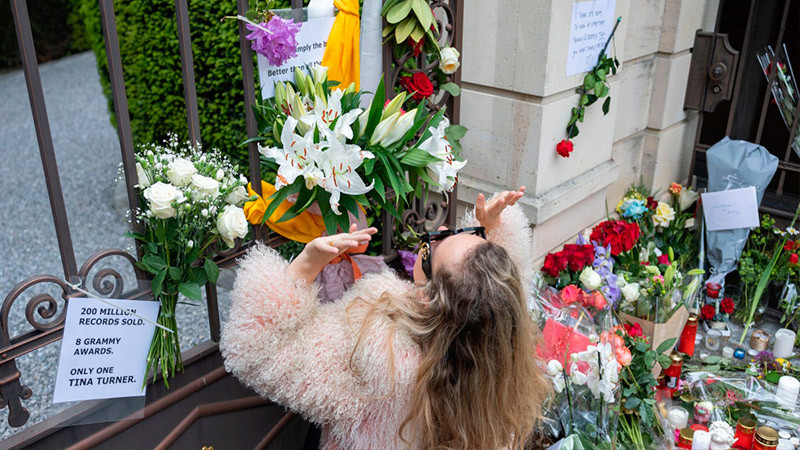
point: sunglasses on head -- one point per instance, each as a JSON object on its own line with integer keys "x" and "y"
{"x": 426, "y": 250}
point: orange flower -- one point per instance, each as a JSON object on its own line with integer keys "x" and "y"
{"x": 624, "y": 356}
{"x": 675, "y": 188}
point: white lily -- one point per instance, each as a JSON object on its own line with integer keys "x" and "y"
{"x": 392, "y": 128}
{"x": 444, "y": 172}
{"x": 338, "y": 164}
{"x": 327, "y": 111}
{"x": 296, "y": 158}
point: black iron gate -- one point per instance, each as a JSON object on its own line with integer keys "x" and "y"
{"x": 729, "y": 88}
{"x": 205, "y": 407}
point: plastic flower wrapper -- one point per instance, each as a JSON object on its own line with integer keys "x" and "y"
{"x": 577, "y": 354}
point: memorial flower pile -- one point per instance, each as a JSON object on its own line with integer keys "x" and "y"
{"x": 190, "y": 206}
{"x": 327, "y": 151}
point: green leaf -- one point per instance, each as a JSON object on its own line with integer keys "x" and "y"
{"x": 199, "y": 275}
{"x": 212, "y": 270}
{"x": 598, "y": 89}
{"x": 368, "y": 166}
{"x": 456, "y": 132}
{"x": 573, "y": 131}
{"x": 380, "y": 189}
{"x": 399, "y": 11}
{"x": 277, "y": 198}
{"x": 632, "y": 402}
{"x": 666, "y": 345}
{"x": 376, "y": 109}
{"x": 601, "y": 74}
{"x": 584, "y": 100}
{"x": 423, "y": 12}
{"x": 589, "y": 81}
{"x": 158, "y": 282}
{"x": 417, "y": 33}
{"x": 606, "y": 105}
{"x": 304, "y": 199}
{"x": 592, "y": 99}
{"x": 388, "y": 5}
{"x": 664, "y": 361}
{"x": 452, "y": 88}
{"x": 350, "y": 205}
{"x": 190, "y": 290}
{"x": 434, "y": 122}
{"x": 404, "y": 29}
{"x": 155, "y": 262}
{"x": 418, "y": 158}
{"x": 174, "y": 273}
{"x": 251, "y": 15}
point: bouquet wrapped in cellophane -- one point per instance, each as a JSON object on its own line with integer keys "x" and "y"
{"x": 327, "y": 151}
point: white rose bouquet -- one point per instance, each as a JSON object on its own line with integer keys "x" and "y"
{"x": 190, "y": 205}
{"x": 327, "y": 151}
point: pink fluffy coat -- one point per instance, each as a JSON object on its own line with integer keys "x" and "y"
{"x": 287, "y": 346}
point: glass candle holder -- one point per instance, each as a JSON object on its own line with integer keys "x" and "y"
{"x": 745, "y": 429}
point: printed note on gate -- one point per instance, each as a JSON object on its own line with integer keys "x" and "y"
{"x": 731, "y": 209}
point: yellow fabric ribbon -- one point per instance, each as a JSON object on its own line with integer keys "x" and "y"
{"x": 343, "y": 54}
{"x": 304, "y": 228}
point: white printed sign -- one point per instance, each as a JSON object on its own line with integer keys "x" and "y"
{"x": 592, "y": 23}
{"x": 311, "y": 41}
{"x": 731, "y": 209}
{"x": 104, "y": 350}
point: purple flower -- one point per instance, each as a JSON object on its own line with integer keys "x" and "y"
{"x": 408, "y": 258}
{"x": 275, "y": 40}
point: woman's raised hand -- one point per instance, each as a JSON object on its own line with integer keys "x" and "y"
{"x": 323, "y": 250}
{"x": 488, "y": 214}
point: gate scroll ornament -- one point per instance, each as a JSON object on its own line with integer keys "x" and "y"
{"x": 45, "y": 313}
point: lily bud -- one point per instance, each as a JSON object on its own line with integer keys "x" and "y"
{"x": 350, "y": 89}
{"x": 300, "y": 80}
{"x": 384, "y": 128}
{"x": 277, "y": 127}
{"x": 320, "y": 74}
{"x": 404, "y": 123}
{"x": 394, "y": 105}
{"x": 280, "y": 94}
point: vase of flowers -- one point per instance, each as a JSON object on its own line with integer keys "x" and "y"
{"x": 190, "y": 208}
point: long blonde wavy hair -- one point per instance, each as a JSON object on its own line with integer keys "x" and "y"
{"x": 478, "y": 385}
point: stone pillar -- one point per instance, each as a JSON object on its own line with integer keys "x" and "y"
{"x": 517, "y": 100}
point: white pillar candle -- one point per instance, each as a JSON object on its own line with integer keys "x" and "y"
{"x": 702, "y": 440}
{"x": 788, "y": 389}
{"x": 784, "y": 343}
{"x": 727, "y": 352}
{"x": 678, "y": 417}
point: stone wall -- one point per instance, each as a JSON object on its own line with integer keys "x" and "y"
{"x": 517, "y": 100}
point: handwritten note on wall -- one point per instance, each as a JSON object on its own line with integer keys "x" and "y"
{"x": 592, "y": 22}
{"x": 731, "y": 209}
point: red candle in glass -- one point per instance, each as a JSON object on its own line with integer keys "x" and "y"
{"x": 673, "y": 372}
{"x": 688, "y": 335}
{"x": 744, "y": 433}
{"x": 685, "y": 438}
{"x": 712, "y": 289}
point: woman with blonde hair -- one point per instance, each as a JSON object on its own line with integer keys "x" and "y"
{"x": 444, "y": 362}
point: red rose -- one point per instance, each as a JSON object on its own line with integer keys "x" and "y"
{"x": 579, "y": 256}
{"x": 793, "y": 258}
{"x": 419, "y": 85}
{"x": 550, "y": 265}
{"x": 726, "y": 305}
{"x": 789, "y": 246}
{"x": 634, "y": 330}
{"x": 652, "y": 203}
{"x": 663, "y": 259}
{"x": 708, "y": 312}
{"x": 620, "y": 235}
{"x": 564, "y": 148}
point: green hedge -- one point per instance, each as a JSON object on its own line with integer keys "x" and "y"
{"x": 152, "y": 68}
{"x": 56, "y": 27}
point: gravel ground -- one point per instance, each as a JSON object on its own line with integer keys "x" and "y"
{"x": 88, "y": 154}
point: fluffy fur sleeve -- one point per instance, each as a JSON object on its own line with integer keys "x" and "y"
{"x": 278, "y": 341}
{"x": 514, "y": 235}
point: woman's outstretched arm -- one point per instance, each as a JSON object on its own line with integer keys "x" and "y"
{"x": 281, "y": 342}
